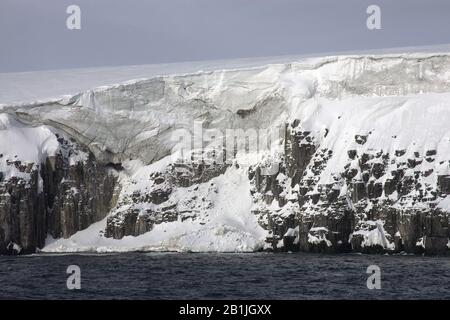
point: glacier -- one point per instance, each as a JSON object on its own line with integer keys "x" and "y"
{"x": 363, "y": 162}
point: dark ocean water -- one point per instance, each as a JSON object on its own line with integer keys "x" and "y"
{"x": 224, "y": 276}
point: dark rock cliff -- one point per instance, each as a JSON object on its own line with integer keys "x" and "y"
{"x": 58, "y": 198}
{"x": 379, "y": 202}
{"x": 135, "y": 221}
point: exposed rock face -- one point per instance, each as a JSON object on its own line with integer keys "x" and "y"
{"x": 363, "y": 164}
{"x": 136, "y": 213}
{"x": 379, "y": 202}
{"x": 376, "y": 202}
{"x": 22, "y": 215}
{"x": 59, "y": 197}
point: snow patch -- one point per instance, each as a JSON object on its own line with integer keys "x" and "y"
{"x": 375, "y": 235}
{"x": 22, "y": 145}
{"x": 317, "y": 235}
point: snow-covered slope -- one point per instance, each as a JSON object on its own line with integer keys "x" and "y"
{"x": 31, "y": 145}
{"x": 363, "y": 160}
{"x": 225, "y": 226}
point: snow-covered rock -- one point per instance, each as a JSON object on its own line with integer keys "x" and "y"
{"x": 48, "y": 185}
{"x": 359, "y": 158}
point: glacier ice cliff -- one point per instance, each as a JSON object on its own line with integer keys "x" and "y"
{"x": 362, "y": 161}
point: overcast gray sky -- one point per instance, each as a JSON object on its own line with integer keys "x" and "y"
{"x": 33, "y": 34}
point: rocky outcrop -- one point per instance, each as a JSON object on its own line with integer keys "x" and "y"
{"x": 59, "y": 197}
{"x": 379, "y": 202}
{"x": 22, "y": 214}
{"x": 136, "y": 213}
